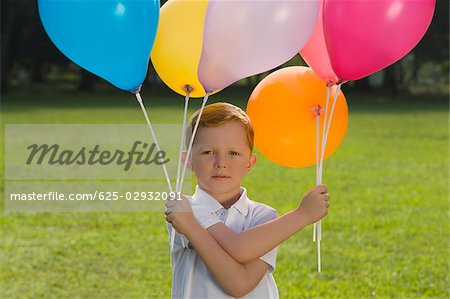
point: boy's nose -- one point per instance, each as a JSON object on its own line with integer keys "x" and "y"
{"x": 220, "y": 163}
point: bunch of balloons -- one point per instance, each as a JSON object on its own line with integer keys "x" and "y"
{"x": 351, "y": 40}
{"x": 204, "y": 46}
{"x": 209, "y": 44}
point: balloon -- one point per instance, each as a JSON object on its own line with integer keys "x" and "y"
{"x": 364, "y": 37}
{"x": 284, "y": 124}
{"x": 247, "y": 37}
{"x": 178, "y": 45}
{"x": 110, "y": 38}
{"x": 315, "y": 53}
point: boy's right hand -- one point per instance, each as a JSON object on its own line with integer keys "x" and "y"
{"x": 179, "y": 213}
{"x": 314, "y": 205}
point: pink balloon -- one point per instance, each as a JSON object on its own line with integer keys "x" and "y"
{"x": 247, "y": 37}
{"x": 315, "y": 53}
{"x": 365, "y": 36}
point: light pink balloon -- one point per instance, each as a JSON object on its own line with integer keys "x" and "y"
{"x": 246, "y": 37}
{"x": 315, "y": 53}
{"x": 365, "y": 36}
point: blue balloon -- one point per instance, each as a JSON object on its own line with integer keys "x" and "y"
{"x": 110, "y": 38}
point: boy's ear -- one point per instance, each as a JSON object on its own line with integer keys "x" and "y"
{"x": 251, "y": 162}
{"x": 183, "y": 159}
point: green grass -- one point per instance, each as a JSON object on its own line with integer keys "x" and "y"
{"x": 386, "y": 236}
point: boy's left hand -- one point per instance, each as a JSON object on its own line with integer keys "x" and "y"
{"x": 179, "y": 213}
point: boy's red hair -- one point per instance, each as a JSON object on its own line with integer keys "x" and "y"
{"x": 218, "y": 114}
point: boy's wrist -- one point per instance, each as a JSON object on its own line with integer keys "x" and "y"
{"x": 192, "y": 229}
{"x": 301, "y": 217}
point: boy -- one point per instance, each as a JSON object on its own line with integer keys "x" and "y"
{"x": 226, "y": 244}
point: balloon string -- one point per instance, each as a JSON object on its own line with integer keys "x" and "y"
{"x": 319, "y": 264}
{"x": 183, "y": 131}
{"x": 314, "y": 232}
{"x": 317, "y": 145}
{"x": 317, "y": 163}
{"x": 191, "y": 142}
{"x": 317, "y": 226}
{"x": 325, "y": 131}
{"x": 188, "y": 152}
{"x": 328, "y": 125}
{"x": 317, "y": 111}
{"x": 139, "y": 99}
{"x": 325, "y": 118}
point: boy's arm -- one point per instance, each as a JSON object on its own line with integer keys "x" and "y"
{"x": 240, "y": 275}
{"x": 257, "y": 241}
{"x": 235, "y": 278}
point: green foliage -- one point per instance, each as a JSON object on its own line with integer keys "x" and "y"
{"x": 386, "y": 234}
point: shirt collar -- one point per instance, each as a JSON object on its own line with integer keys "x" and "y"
{"x": 206, "y": 200}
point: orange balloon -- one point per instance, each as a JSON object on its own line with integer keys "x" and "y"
{"x": 280, "y": 108}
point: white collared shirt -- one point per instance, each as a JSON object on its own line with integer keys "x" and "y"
{"x": 191, "y": 278}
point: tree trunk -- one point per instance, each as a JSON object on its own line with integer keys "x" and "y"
{"x": 7, "y": 23}
{"x": 36, "y": 71}
{"x": 390, "y": 80}
{"x": 415, "y": 70}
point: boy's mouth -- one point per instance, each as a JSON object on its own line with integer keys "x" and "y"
{"x": 220, "y": 177}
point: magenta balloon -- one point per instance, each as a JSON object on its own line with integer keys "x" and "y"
{"x": 366, "y": 36}
{"x": 315, "y": 53}
{"x": 244, "y": 38}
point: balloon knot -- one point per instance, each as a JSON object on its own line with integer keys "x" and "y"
{"x": 188, "y": 89}
{"x": 317, "y": 110}
{"x": 136, "y": 90}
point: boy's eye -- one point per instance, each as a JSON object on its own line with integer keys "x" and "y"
{"x": 208, "y": 153}
{"x": 233, "y": 153}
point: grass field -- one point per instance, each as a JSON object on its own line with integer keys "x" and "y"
{"x": 386, "y": 236}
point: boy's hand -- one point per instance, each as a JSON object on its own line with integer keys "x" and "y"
{"x": 179, "y": 213}
{"x": 314, "y": 205}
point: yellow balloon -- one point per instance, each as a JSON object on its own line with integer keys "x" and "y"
{"x": 178, "y": 45}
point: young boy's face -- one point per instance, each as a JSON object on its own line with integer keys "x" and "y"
{"x": 221, "y": 156}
